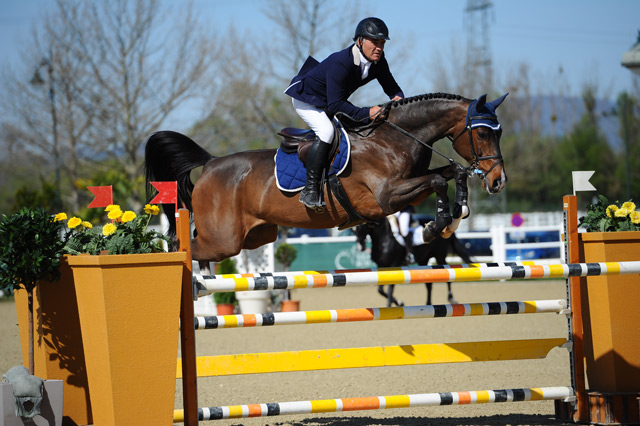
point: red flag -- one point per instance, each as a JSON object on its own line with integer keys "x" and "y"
{"x": 167, "y": 193}
{"x": 104, "y": 196}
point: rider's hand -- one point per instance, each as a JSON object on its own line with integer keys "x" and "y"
{"x": 396, "y": 98}
{"x": 374, "y": 112}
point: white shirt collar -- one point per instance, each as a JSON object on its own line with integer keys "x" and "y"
{"x": 365, "y": 64}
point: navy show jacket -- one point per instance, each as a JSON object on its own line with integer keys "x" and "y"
{"x": 328, "y": 84}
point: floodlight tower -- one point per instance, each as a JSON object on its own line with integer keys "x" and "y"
{"x": 479, "y": 78}
{"x": 478, "y": 66}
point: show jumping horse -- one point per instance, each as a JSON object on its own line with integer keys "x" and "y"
{"x": 236, "y": 204}
{"x": 386, "y": 252}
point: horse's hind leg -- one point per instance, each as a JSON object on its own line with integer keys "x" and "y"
{"x": 385, "y": 295}
{"x": 389, "y": 296}
{"x": 433, "y": 229}
{"x": 450, "y": 297}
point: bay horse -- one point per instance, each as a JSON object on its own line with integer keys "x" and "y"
{"x": 386, "y": 252}
{"x": 236, "y": 204}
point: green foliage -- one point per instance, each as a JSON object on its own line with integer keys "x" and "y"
{"x": 127, "y": 235}
{"x": 30, "y": 249}
{"x": 606, "y": 217}
{"x": 226, "y": 298}
{"x": 227, "y": 266}
{"x": 628, "y": 171}
{"x": 286, "y": 254}
{"x": 44, "y": 197}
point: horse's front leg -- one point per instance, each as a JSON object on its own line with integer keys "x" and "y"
{"x": 434, "y": 229}
{"x": 461, "y": 206}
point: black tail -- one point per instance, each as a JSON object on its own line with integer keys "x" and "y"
{"x": 459, "y": 249}
{"x": 170, "y": 156}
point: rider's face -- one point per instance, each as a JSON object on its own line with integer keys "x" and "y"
{"x": 372, "y": 48}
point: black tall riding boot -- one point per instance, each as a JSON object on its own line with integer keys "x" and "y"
{"x": 311, "y": 195}
{"x": 408, "y": 241}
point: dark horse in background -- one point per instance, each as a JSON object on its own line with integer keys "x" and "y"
{"x": 386, "y": 251}
{"x": 237, "y": 205}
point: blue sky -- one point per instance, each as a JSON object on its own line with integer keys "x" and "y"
{"x": 584, "y": 38}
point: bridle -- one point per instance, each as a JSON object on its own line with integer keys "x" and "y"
{"x": 473, "y": 168}
{"x": 475, "y": 163}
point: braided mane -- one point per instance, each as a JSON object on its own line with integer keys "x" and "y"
{"x": 428, "y": 96}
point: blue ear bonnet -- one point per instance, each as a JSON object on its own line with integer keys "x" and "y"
{"x": 483, "y": 113}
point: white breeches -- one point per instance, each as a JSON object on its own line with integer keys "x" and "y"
{"x": 316, "y": 119}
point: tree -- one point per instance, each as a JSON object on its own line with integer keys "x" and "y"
{"x": 30, "y": 248}
{"x": 586, "y": 148}
{"x": 628, "y": 111}
{"x": 115, "y": 72}
{"x": 249, "y": 106}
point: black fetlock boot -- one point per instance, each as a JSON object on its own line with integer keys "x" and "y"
{"x": 311, "y": 195}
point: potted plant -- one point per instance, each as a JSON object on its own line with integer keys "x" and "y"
{"x": 30, "y": 248}
{"x": 128, "y": 292}
{"x": 285, "y": 255}
{"x": 226, "y": 302}
{"x": 610, "y": 308}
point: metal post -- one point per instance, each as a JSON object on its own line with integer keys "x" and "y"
{"x": 187, "y": 328}
{"x": 574, "y": 302}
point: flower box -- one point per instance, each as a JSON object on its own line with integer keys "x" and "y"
{"x": 611, "y": 313}
{"x": 129, "y": 307}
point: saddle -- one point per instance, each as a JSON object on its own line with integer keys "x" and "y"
{"x": 300, "y": 140}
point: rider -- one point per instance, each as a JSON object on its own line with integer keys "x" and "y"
{"x": 320, "y": 90}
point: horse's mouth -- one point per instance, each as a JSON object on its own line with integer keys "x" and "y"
{"x": 496, "y": 185}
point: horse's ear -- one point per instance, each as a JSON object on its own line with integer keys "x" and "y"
{"x": 481, "y": 101}
{"x": 496, "y": 103}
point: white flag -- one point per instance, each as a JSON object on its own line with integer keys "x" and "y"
{"x": 581, "y": 181}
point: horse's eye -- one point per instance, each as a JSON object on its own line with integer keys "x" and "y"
{"x": 483, "y": 134}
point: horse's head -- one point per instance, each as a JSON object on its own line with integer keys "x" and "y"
{"x": 481, "y": 145}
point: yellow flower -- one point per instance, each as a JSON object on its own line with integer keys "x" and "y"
{"x": 635, "y": 217}
{"x": 115, "y": 213}
{"x": 629, "y": 205}
{"x": 622, "y": 213}
{"x": 611, "y": 210}
{"x": 151, "y": 209}
{"x": 87, "y": 224}
{"x": 127, "y": 216}
{"x": 108, "y": 229}
{"x": 59, "y": 217}
{"x": 74, "y": 221}
{"x": 112, "y": 207}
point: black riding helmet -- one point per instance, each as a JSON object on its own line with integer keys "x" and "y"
{"x": 373, "y": 28}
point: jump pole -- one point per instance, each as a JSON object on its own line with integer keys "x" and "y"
{"x": 574, "y": 298}
{"x": 418, "y": 276}
{"x": 187, "y": 331}
{"x": 384, "y": 402}
{"x": 380, "y": 314}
